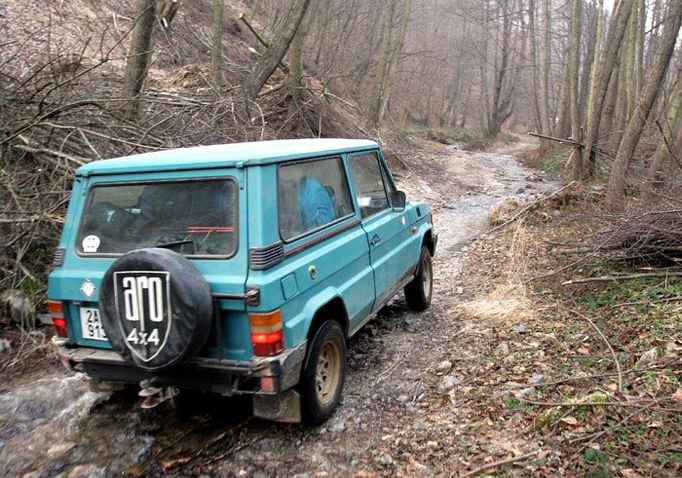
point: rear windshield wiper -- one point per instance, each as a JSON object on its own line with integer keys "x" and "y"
{"x": 177, "y": 243}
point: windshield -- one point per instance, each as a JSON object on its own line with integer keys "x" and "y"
{"x": 194, "y": 218}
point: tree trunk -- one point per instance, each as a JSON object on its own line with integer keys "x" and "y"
{"x": 138, "y": 56}
{"x": 600, "y": 81}
{"x": 384, "y": 60}
{"x": 393, "y": 61}
{"x": 641, "y": 34}
{"x": 616, "y": 187}
{"x": 545, "y": 59}
{"x": 272, "y": 57}
{"x": 296, "y": 71}
{"x": 535, "y": 81}
{"x": 573, "y": 68}
{"x": 672, "y": 135}
{"x": 217, "y": 48}
{"x": 588, "y": 61}
{"x": 630, "y": 63}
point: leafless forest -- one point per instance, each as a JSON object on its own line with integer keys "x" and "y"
{"x": 599, "y": 81}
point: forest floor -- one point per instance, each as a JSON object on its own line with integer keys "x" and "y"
{"x": 449, "y": 391}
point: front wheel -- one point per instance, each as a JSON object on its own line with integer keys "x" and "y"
{"x": 418, "y": 292}
{"x": 323, "y": 374}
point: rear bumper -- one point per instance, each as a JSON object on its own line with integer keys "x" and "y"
{"x": 227, "y": 377}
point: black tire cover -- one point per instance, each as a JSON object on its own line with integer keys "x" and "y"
{"x": 156, "y": 308}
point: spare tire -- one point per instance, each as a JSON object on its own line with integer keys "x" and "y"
{"x": 156, "y": 308}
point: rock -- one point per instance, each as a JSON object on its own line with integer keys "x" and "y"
{"x": 403, "y": 398}
{"x": 519, "y": 328}
{"x": 537, "y": 379}
{"x": 385, "y": 459}
{"x": 647, "y": 358}
{"x": 502, "y": 349}
{"x": 448, "y": 383}
{"x": 509, "y": 359}
{"x": 5, "y": 345}
{"x": 444, "y": 367}
{"x": 86, "y": 471}
{"x": 510, "y": 385}
{"x": 525, "y": 392}
{"x": 337, "y": 427}
{"x": 459, "y": 290}
{"x": 59, "y": 449}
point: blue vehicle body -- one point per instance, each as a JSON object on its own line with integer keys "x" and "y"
{"x": 346, "y": 269}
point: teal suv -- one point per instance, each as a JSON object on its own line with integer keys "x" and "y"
{"x": 235, "y": 269}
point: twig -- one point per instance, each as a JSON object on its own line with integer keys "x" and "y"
{"x": 646, "y": 302}
{"x": 527, "y": 208}
{"x": 495, "y": 464}
{"x": 642, "y": 275}
{"x": 599, "y": 404}
{"x": 608, "y": 344}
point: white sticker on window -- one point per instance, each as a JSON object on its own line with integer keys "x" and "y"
{"x": 91, "y": 243}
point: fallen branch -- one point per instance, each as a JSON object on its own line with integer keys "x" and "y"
{"x": 495, "y": 464}
{"x": 643, "y": 275}
{"x": 527, "y": 208}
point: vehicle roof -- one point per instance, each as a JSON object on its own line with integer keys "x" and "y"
{"x": 225, "y": 155}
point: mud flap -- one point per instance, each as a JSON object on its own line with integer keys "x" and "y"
{"x": 284, "y": 407}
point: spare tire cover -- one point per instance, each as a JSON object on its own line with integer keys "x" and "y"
{"x": 156, "y": 308}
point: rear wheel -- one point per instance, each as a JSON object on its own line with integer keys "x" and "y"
{"x": 324, "y": 373}
{"x": 418, "y": 292}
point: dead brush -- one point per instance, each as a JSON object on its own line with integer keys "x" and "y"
{"x": 508, "y": 300}
{"x": 504, "y": 211}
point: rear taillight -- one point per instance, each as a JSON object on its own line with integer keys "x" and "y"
{"x": 267, "y": 336}
{"x": 57, "y": 313}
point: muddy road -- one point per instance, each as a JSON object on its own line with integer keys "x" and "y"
{"x": 410, "y": 406}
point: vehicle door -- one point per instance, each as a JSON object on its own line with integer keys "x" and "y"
{"x": 385, "y": 227}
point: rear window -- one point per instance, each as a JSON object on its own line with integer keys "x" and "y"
{"x": 194, "y": 218}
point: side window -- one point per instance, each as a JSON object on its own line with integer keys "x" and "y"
{"x": 369, "y": 184}
{"x": 310, "y": 195}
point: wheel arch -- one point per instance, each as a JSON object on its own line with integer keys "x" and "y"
{"x": 334, "y": 309}
{"x": 428, "y": 241}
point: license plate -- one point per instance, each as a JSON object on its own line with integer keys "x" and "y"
{"x": 91, "y": 325}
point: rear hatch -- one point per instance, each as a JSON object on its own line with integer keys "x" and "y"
{"x": 196, "y": 214}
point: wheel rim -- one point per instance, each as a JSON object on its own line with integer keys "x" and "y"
{"x": 327, "y": 372}
{"x": 427, "y": 277}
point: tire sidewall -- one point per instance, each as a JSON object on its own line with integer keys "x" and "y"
{"x": 314, "y": 411}
{"x": 425, "y": 257}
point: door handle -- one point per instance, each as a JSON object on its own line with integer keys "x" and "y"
{"x": 375, "y": 240}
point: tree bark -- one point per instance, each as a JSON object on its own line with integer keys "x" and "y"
{"x": 217, "y": 47}
{"x": 574, "y": 78}
{"x": 616, "y": 186}
{"x": 267, "y": 63}
{"x": 602, "y": 72}
{"x": 545, "y": 59}
{"x": 396, "y": 50}
{"x": 138, "y": 56}
{"x": 384, "y": 60}
{"x": 535, "y": 81}
{"x": 296, "y": 71}
{"x": 672, "y": 135}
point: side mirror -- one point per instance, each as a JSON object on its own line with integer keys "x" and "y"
{"x": 398, "y": 199}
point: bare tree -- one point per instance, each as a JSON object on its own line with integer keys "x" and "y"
{"x": 267, "y": 64}
{"x": 574, "y": 76}
{"x": 616, "y": 187}
{"x": 217, "y": 47}
{"x": 604, "y": 65}
{"x": 138, "y": 56}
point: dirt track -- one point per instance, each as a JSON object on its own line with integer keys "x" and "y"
{"x": 405, "y": 411}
